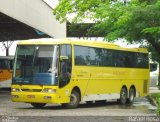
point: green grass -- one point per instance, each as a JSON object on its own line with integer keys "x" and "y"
{"x": 156, "y": 96}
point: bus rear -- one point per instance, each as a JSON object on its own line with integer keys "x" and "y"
{"x": 6, "y": 64}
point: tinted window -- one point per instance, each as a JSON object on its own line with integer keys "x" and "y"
{"x": 91, "y": 56}
{"x": 95, "y": 56}
{"x": 81, "y": 55}
{"x": 124, "y": 59}
{"x": 88, "y": 56}
{"x": 5, "y": 64}
{"x": 107, "y": 58}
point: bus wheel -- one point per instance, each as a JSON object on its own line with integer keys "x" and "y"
{"x": 74, "y": 100}
{"x": 123, "y": 96}
{"x": 38, "y": 105}
{"x": 131, "y": 95}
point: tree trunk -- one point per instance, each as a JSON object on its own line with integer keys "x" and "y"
{"x": 7, "y": 51}
{"x": 159, "y": 76}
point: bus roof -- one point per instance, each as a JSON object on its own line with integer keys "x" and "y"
{"x": 100, "y": 44}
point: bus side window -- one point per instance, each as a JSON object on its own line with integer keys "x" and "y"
{"x": 127, "y": 61}
{"x": 6, "y": 64}
{"x": 1, "y": 64}
{"x": 10, "y": 64}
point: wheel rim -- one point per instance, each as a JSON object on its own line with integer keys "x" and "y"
{"x": 73, "y": 99}
{"x": 123, "y": 96}
{"x": 131, "y": 95}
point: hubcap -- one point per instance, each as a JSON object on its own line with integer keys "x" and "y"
{"x": 123, "y": 95}
{"x": 131, "y": 97}
{"x": 73, "y": 99}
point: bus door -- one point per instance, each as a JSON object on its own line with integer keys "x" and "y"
{"x": 65, "y": 69}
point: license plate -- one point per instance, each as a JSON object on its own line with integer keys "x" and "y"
{"x": 30, "y": 96}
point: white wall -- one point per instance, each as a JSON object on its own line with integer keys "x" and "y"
{"x": 35, "y": 13}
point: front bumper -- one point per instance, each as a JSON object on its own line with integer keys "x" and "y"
{"x": 32, "y": 97}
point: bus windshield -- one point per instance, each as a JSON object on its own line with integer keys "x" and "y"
{"x": 35, "y": 65}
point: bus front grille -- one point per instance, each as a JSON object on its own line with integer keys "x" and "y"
{"x": 32, "y": 90}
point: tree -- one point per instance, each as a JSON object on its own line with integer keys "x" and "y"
{"x": 134, "y": 20}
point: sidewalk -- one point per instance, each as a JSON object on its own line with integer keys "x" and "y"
{"x": 154, "y": 90}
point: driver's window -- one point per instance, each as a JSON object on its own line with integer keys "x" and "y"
{"x": 65, "y": 65}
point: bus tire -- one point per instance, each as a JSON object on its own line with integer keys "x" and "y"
{"x": 38, "y": 105}
{"x": 74, "y": 100}
{"x": 123, "y": 96}
{"x": 131, "y": 95}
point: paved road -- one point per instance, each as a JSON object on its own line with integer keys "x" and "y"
{"x": 94, "y": 112}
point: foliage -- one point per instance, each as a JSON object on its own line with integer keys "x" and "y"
{"x": 136, "y": 20}
{"x": 156, "y": 96}
{"x": 158, "y": 108}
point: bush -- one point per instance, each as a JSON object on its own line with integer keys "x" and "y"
{"x": 158, "y": 107}
{"x": 156, "y": 96}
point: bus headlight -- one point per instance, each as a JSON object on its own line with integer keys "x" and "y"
{"x": 49, "y": 90}
{"x": 15, "y": 89}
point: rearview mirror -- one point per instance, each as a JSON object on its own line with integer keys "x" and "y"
{"x": 62, "y": 58}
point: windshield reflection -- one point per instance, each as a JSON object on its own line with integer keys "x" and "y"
{"x": 36, "y": 65}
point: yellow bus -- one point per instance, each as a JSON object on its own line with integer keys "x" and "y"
{"x": 6, "y": 65}
{"x": 67, "y": 72}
